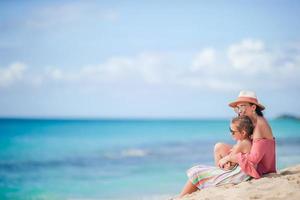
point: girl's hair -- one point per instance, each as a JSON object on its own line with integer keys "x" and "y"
{"x": 244, "y": 123}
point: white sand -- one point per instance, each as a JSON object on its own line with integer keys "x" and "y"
{"x": 283, "y": 185}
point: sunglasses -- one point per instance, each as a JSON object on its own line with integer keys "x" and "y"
{"x": 232, "y": 131}
{"x": 240, "y": 109}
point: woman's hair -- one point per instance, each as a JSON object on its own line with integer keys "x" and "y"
{"x": 258, "y": 110}
{"x": 244, "y": 123}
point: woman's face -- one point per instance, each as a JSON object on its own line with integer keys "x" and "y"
{"x": 245, "y": 108}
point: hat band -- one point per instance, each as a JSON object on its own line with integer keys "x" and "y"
{"x": 247, "y": 99}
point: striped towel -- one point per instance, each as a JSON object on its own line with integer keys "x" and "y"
{"x": 207, "y": 176}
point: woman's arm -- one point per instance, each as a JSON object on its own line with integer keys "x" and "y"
{"x": 241, "y": 147}
{"x": 248, "y": 161}
{"x": 229, "y": 158}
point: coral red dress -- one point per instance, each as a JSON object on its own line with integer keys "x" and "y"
{"x": 260, "y": 160}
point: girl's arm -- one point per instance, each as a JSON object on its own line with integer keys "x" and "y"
{"x": 243, "y": 146}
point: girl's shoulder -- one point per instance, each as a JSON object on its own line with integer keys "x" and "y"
{"x": 245, "y": 145}
{"x": 245, "y": 142}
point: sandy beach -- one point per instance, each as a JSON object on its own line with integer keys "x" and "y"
{"x": 283, "y": 185}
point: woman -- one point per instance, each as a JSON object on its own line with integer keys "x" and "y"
{"x": 259, "y": 161}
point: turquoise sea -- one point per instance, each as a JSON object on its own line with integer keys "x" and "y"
{"x": 115, "y": 159}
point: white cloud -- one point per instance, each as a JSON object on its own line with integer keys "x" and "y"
{"x": 12, "y": 74}
{"x": 144, "y": 67}
{"x": 272, "y": 68}
{"x": 250, "y": 64}
{"x": 55, "y": 74}
{"x": 250, "y": 56}
{"x": 204, "y": 59}
{"x": 152, "y": 67}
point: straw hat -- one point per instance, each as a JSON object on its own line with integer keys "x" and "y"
{"x": 247, "y": 96}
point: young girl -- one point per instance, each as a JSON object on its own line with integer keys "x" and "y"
{"x": 241, "y": 129}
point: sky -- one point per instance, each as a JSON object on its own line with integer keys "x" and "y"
{"x": 147, "y": 59}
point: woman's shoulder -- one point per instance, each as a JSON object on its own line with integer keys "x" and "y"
{"x": 261, "y": 121}
{"x": 262, "y": 129}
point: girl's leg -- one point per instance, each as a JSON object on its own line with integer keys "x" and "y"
{"x": 221, "y": 150}
{"x": 188, "y": 189}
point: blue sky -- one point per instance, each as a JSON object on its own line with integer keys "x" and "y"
{"x": 156, "y": 59}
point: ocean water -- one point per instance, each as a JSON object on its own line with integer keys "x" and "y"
{"x": 115, "y": 159}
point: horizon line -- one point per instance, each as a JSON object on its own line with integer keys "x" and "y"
{"x": 141, "y": 118}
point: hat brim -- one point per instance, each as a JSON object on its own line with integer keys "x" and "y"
{"x": 233, "y": 104}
